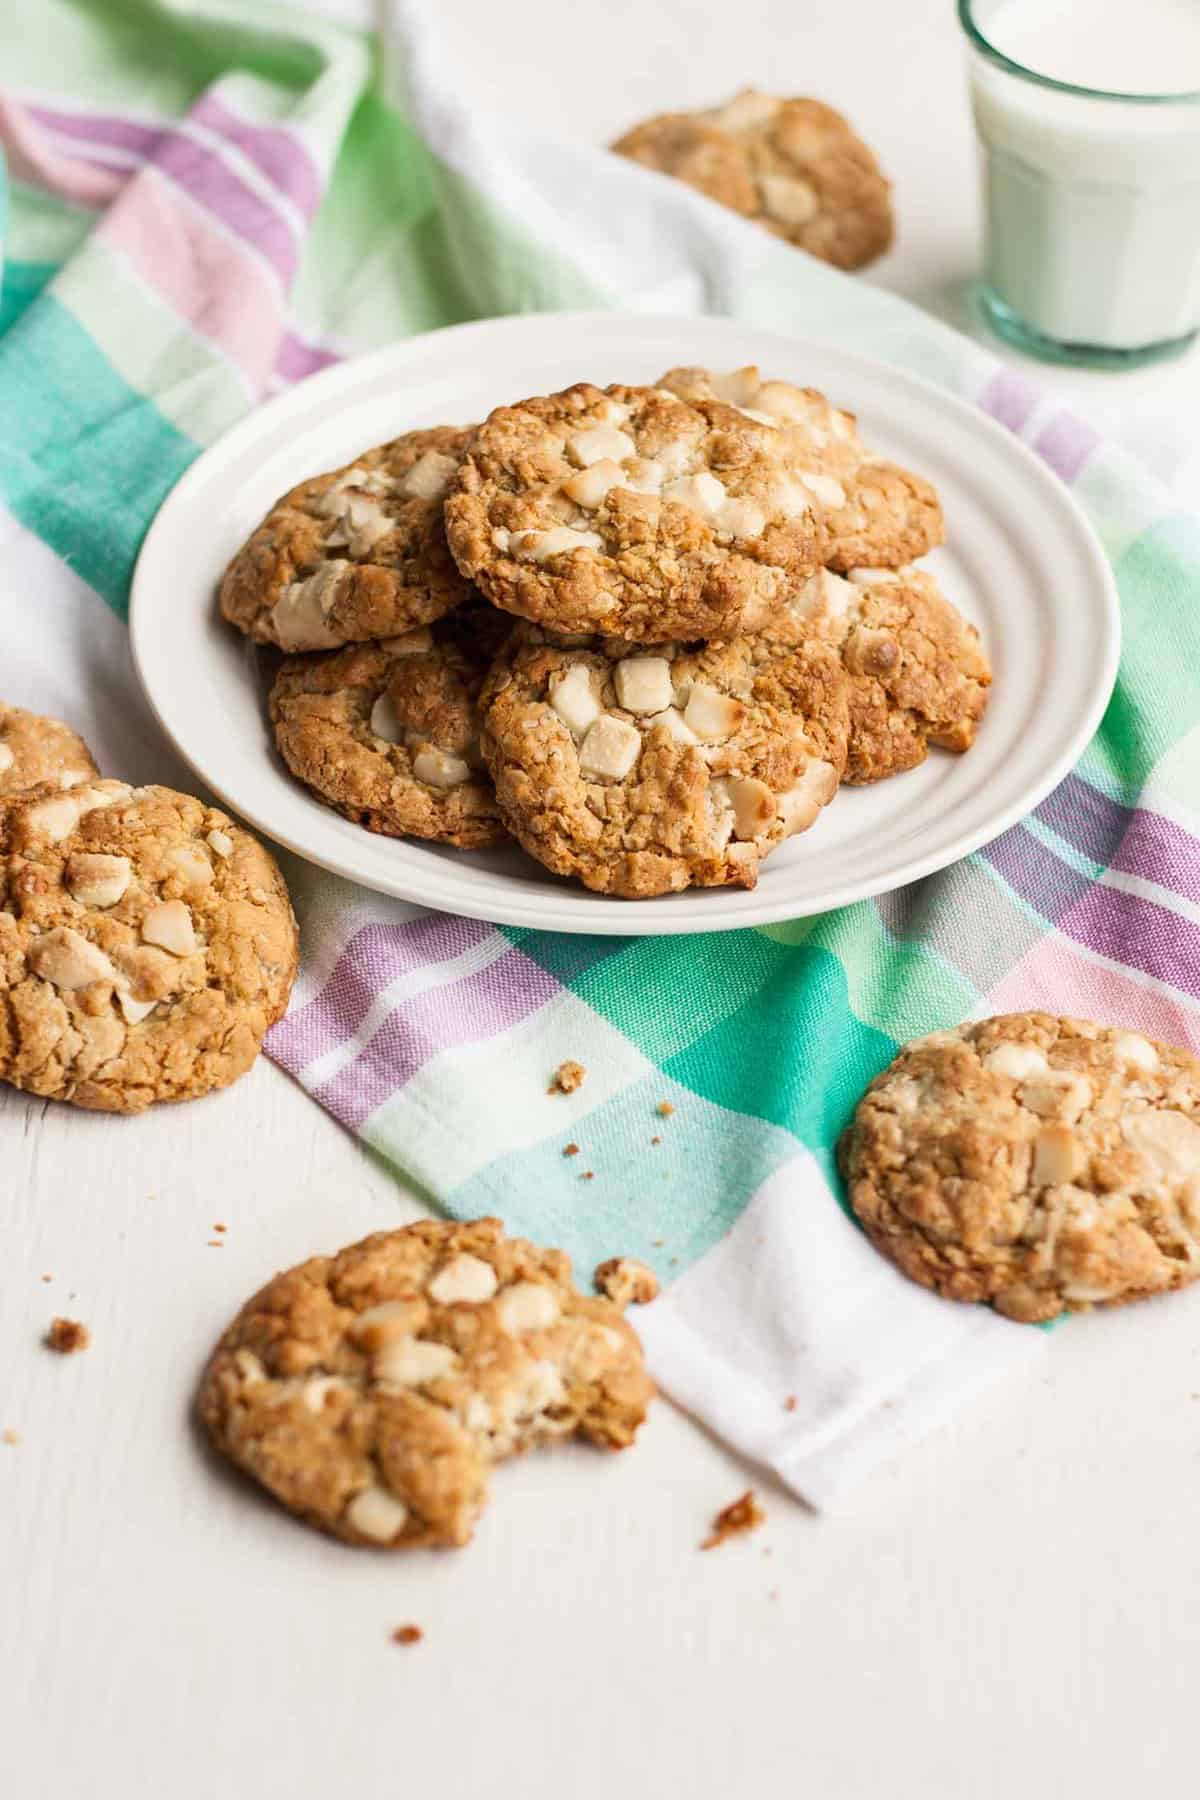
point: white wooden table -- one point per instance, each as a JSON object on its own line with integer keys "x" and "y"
{"x": 1011, "y": 1611}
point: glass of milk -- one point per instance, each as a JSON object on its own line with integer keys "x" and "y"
{"x": 1088, "y": 114}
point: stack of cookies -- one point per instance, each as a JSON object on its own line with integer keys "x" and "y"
{"x": 647, "y": 631}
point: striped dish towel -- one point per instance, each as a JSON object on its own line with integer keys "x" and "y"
{"x": 255, "y": 193}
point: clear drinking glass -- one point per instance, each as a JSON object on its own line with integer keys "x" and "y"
{"x": 1092, "y": 211}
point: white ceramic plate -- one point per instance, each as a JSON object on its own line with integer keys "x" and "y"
{"x": 1021, "y": 562}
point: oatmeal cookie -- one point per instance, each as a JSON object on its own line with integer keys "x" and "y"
{"x": 646, "y": 769}
{"x": 388, "y": 733}
{"x": 1036, "y": 1162}
{"x": 918, "y": 674}
{"x": 632, "y": 512}
{"x": 146, "y": 944}
{"x": 372, "y": 1391}
{"x": 355, "y": 554}
{"x": 793, "y": 166}
{"x": 872, "y": 512}
{"x": 36, "y": 752}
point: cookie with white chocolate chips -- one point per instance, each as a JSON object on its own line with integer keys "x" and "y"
{"x": 647, "y": 769}
{"x": 793, "y": 166}
{"x": 872, "y": 512}
{"x": 356, "y": 554}
{"x": 632, "y": 512}
{"x": 917, "y": 671}
{"x": 388, "y": 733}
{"x": 371, "y": 1392}
{"x": 1036, "y": 1162}
{"x": 146, "y": 944}
{"x": 37, "y": 752}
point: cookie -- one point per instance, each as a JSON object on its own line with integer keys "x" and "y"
{"x": 871, "y": 512}
{"x": 1036, "y": 1162}
{"x": 644, "y": 770}
{"x": 38, "y": 752}
{"x": 918, "y": 673}
{"x": 388, "y": 733}
{"x": 632, "y": 512}
{"x": 372, "y": 1391}
{"x": 146, "y": 944}
{"x": 793, "y": 166}
{"x": 356, "y": 554}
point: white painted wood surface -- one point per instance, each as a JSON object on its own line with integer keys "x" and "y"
{"x": 1011, "y": 1611}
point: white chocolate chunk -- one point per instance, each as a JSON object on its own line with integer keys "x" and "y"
{"x": 134, "y": 1011}
{"x": 300, "y": 615}
{"x": 7, "y": 759}
{"x": 790, "y": 201}
{"x": 430, "y": 476}
{"x": 741, "y": 519}
{"x": 387, "y": 1322}
{"x": 191, "y": 865}
{"x": 754, "y": 806}
{"x": 843, "y": 425}
{"x": 740, "y": 386}
{"x": 674, "y": 723}
{"x": 789, "y": 498}
{"x": 1131, "y": 1047}
{"x": 384, "y": 723}
{"x": 720, "y": 814}
{"x": 528, "y": 1306}
{"x": 69, "y": 778}
{"x": 409, "y": 643}
{"x": 464, "y": 1277}
{"x": 56, "y": 819}
{"x": 1057, "y": 1156}
{"x": 376, "y": 1514}
{"x": 440, "y": 768}
{"x": 248, "y": 1366}
{"x": 574, "y": 700}
{"x": 96, "y": 880}
{"x": 559, "y": 540}
{"x": 701, "y": 493}
{"x": 781, "y": 400}
{"x": 760, "y": 418}
{"x": 611, "y": 748}
{"x": 613, "y": 412}
{"x": 746, "y": 112}
{"x": 600, "y": 444}
{"x": 540, "y": 1388}
{"x": 711, "y": 714}
{"x": 801, "y": 805}
{"x": 411, "y": 1361}
{"x": 1059, "y": 1093}
{"x": 643, "y": 475}
{"x": 1017, "y": 1061}
{"x": 874, "y": 577}
{"x": 365, "y": 524}
{"x": 589, "y": 488}
{"x": 169, "y": 925}
{"x": 315, "y": 1391}
{"x": 828, "y": 491}
{"x": 643, "y": 683}
{"x": 1169, "y": 1140}
{"x": 221, "y": 843}
{"x": 68, "y": 961}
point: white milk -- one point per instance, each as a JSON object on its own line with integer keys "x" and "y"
{"x": 1093, "y": 204}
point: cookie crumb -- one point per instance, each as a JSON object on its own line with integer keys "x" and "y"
{"x": 407, "y": 1634}
{"x": 624, "y": 1280}
{"x": 567, "y": 1078}
{"x": 216, "y": 1243}
{"x": 220, "y": 1227}
{"x": 664, "y": 1109}
{"x": 571, "y": 1150}
{"x": 656, "y": 1140}
{"x": 741, "y": 1515}
{"x": 588, "y": 1175}
{"x": 67, "y": 1336}
{"x": 789, "y": 1404}
{"x": 47, "y": 1278}
{"x": 10, "y": 1436}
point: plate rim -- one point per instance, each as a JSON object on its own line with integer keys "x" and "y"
{"x": 608, "y": 915}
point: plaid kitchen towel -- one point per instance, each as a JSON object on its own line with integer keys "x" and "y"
{"x": 210, "y": 200}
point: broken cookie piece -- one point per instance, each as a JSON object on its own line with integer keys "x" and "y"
{"x": 626, "y": 1281}
{"x": 373, "y": 1391}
